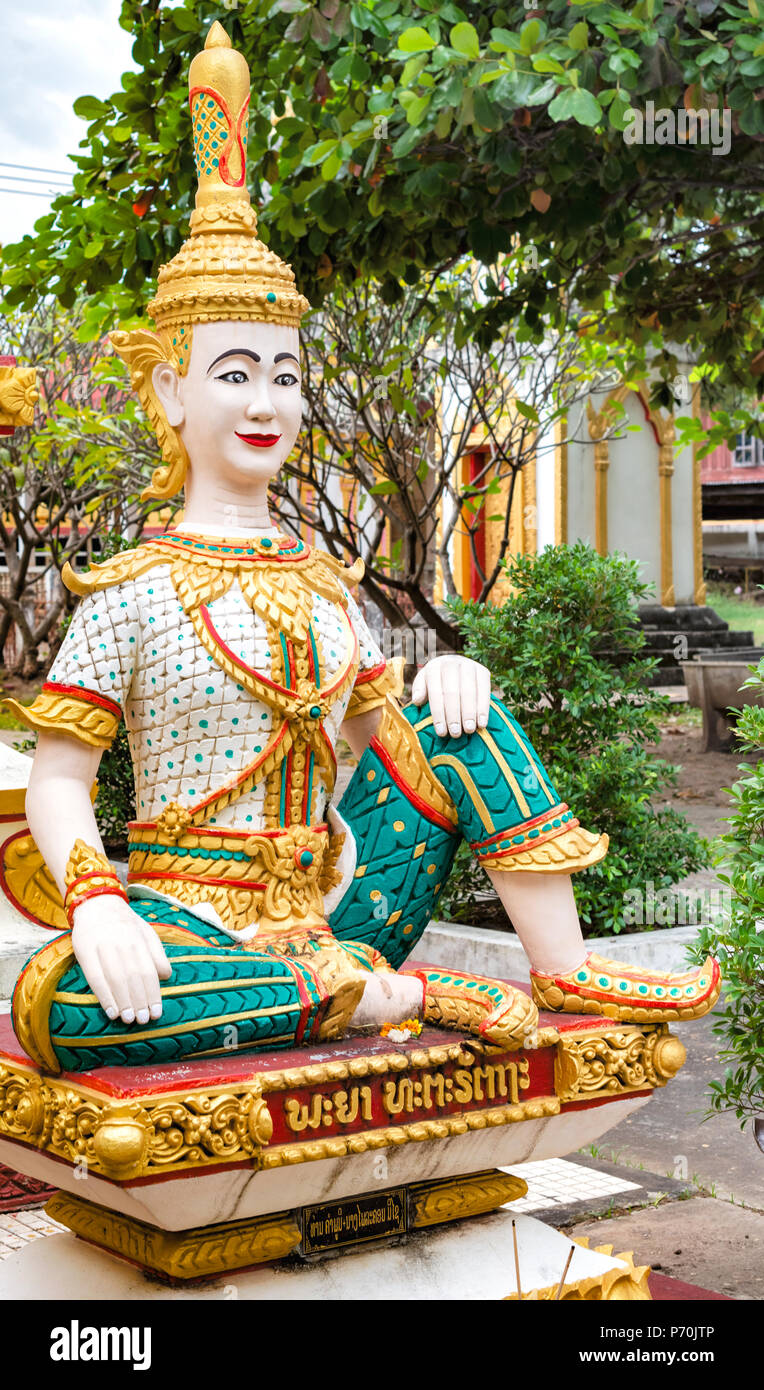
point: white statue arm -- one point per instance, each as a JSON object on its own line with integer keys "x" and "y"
{"x": 121, "y": 956}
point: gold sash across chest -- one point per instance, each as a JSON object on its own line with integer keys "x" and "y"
{"x": 279, "y": 579}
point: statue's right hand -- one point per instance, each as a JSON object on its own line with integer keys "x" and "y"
{"x": 121, "y": 958}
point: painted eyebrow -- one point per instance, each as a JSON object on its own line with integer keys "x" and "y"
{"x": 233, "y": 352}
{"x": 283, "y": 356}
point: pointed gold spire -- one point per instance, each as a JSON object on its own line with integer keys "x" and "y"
{"x": 217, "y": 37}
{"x": 223, "y": 271}
{"x": 218, "y": 90}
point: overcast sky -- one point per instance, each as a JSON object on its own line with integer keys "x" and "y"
{"x": 53, "y": 52}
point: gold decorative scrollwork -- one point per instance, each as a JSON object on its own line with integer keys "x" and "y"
{"x": 433, "y": 1203}
{"x": 629, "y": 1059}
{"x": 369, "y": 1065}
{"x": 125, "y": 1139}
{"x": 18, "y": 396}
{"x": 29, "y": 882}
{"x": 193, "y": 1254}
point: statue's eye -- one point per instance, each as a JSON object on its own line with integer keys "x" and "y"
{"x": 285, "y": 379}
{"x": 238, "y": 378}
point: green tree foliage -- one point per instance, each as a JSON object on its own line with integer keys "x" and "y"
{"x": 738, "y": 943}
{"x": 393, "y": 398}
{"x": 115, "y": 802}
{"x": 407, "y": 135}
{"x": 565, "y": 653}
{"x": 74, "y": 474}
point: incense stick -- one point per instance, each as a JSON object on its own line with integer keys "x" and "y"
{"x": 564, "y": 1272}
{"x": 517, "y": 1259}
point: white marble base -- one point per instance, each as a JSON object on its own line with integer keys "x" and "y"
{"x": 200, "y": 1199}
{"x": 469, "y": 1260}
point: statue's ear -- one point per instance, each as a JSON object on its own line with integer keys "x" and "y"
{"x": 167, "y": 390}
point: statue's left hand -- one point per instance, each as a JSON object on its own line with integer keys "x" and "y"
{"x": 459, "y": 693}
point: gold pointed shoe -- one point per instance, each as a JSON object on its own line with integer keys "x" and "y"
{"x": 491, "y": 1010}
{"x": 611, "y": 989}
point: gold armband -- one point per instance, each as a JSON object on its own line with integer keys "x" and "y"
{"x": 88, "y": 875}
{"x": 373, "y": 686}
{"x": 63, "y": 709}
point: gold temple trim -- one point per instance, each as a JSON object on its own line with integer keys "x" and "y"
{"x": 561, "y": 482}
{"x": 30, "y": 883}
{"x": 285, "y": 1154}
{"x": 125, "y": 1138}
{"x": 589, "y": 1064}
{"x": 399, "y": 740}
{"x": 699, "y": 594}
{"x": 369, "y": 695}
{"x": 563, "y": 854}
{"x": 13, "y": 800}
{"x": 207, "y": 1251}
{"x": 436, "y": 1202}
{"x": 18, "y": 396}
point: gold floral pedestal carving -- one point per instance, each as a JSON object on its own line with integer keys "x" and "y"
{"x": 246, "y": 1144}
{"x": 199, "y": 1253}
{"x": 207, "y": 1251}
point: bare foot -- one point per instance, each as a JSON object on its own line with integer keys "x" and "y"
{"x": 388, "y": 998}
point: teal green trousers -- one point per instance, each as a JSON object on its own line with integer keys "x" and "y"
{"x": 221, "y": 997}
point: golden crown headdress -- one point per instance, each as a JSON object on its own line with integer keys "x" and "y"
{"x": 222, "y": 270}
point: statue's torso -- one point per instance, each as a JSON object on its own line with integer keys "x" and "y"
{"x": 191, "y": 725}
{"x": 233, "y": 667}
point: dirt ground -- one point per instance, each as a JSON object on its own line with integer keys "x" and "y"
{"x": 701, "y": 791}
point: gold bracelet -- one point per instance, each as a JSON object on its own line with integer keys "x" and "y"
{"x": 88, "y": 875}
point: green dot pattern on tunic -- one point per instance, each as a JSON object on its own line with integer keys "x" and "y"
{"x": 187, "y": 718}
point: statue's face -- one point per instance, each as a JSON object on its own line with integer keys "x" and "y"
{"x": 238, "y": 408}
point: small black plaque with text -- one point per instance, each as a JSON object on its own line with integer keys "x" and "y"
{"x": 353, "y": 1220}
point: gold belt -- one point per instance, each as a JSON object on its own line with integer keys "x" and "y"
{"x": 275, "y": 877}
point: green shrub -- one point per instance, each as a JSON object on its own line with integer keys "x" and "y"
{"x": 115, "y": 803}
{"x": 735, "y": 941}
{"x": 565, "y": 653}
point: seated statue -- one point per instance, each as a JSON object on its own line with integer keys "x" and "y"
{"x": 259, "y": 914}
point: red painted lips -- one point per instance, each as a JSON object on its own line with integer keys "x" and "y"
{"x": 259, "y": 441}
